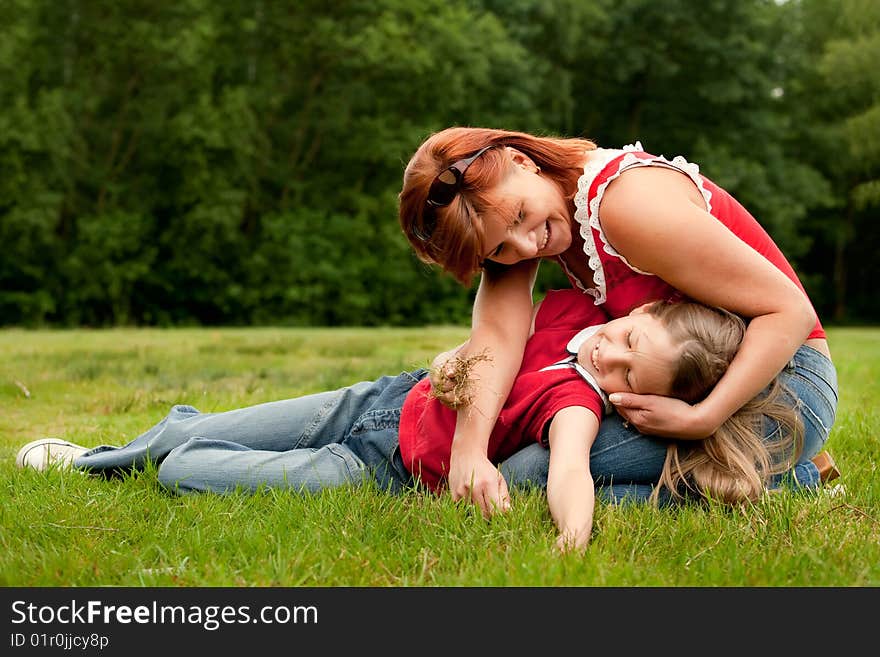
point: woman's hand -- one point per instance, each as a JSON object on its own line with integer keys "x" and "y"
{"x": 474, "y": 478}
{"x": 665, "y": 417}
{"x": 452, "y": 381}
{"x": 442, "y": 387}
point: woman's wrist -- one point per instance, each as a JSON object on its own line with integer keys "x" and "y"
{"x": 706, "y": 419}
{"x": 469, "y": 446}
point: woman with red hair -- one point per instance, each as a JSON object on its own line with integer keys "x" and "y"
{"x": 627, "y": 227}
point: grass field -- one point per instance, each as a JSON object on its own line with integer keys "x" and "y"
{"x": 97, "y": 387}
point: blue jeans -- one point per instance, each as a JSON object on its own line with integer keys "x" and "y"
{"x": 306, "y": 444}
{"x": 626, "y": 465}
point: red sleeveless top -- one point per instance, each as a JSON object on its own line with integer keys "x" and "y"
{"x": 618, "y": 286}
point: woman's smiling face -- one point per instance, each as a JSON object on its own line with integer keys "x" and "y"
{"x": 530, "y": 218}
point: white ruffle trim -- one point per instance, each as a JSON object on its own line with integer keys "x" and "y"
{"x": 587, "y": 213}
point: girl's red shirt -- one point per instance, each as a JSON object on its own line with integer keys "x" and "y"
{"x": 427, "y": 426}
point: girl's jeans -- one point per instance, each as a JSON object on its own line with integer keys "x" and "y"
{"x": 306, "y": 444}
{"x": 626, "y": 464}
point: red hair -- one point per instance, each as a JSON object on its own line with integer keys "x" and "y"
{"x": 456, "y": 243}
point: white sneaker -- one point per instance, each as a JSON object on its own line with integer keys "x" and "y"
{"x": 46, "y": 452}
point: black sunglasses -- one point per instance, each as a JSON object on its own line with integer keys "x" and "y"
{"x": 444, "y": 188}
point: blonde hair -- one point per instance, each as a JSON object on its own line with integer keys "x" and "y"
{"x": 456, "y": 243}
{"x": 736, "y": 463}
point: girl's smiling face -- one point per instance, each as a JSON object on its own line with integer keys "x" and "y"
{"x": 634, "y": 353}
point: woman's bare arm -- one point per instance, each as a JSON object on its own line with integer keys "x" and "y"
{"x": 500, "y": 325}
{"x": 649, "y": 215}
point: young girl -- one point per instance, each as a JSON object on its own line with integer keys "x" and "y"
{"x": 626, "y": 226}
{"x": 396, "y": 431}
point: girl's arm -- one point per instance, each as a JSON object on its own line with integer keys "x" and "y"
{"x": 570, "y": 490}
{"x": 649, "y": 214}
{"x": 500, "y": 325}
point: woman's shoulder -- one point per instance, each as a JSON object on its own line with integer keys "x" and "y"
{"x": 642, "y": 189}
{"x": 602, "y": 162}
{"x": 603, "y": 167}
{"x": 635, "y": 191}
{"x": 637, "y": 183}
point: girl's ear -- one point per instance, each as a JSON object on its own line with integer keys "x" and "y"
{"x": 641, "y": 309}
{"x": 520, "y": 159}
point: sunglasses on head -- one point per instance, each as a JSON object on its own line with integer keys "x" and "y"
{"x": 443, "y": 190}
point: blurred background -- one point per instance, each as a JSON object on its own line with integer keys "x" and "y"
{"x": 196, "y": 162}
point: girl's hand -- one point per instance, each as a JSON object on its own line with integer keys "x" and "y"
{"x": 665, "y": 417}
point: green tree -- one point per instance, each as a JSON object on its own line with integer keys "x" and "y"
{"x": 189, "y": 161}
{"x": 834, "y": 104}
{"x": 702, "y": 80}
{"x": 35, "y": 149}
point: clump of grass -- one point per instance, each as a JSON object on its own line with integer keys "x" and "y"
{"x": 457, "y": 371}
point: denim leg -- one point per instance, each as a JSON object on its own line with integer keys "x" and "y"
{"x": 220, "y": 466}
{"x": 295, "y": 443}
{"x": 363, "y": 420}
{"x": 812, "y": 379}
{"x": 633, "y": 494}
{"x": 620, "y": 456}
{"x": 274, "y": 426}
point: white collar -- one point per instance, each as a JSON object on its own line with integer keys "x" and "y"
{"x": 574, "y": 345}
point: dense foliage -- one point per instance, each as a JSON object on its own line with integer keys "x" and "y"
{"x": 198, "y": 162}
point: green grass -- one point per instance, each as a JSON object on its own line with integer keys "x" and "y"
{"x": 95, "y": 387}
